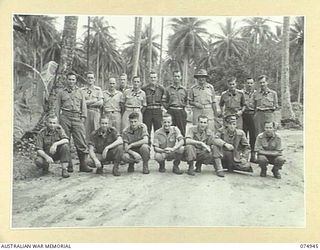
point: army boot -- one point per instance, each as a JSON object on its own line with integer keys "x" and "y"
{"x": 65, "y": 173}
{"x": 145, "y": 168}
{"x": 263, "y": 172}
{"x": 131, "y": 168}
{"x": 253, "y": 157}
{"x": 218, "y": 167}
{"x": 83, "y": 163}
{"x": 275, "y": 171}
{"x": 198, "y": 167}
{"x": 162, "y": 167}
{"x": 99, "y": 170}
{"x": 45, "y": 168}
{"x": 115, "y": 170}
{"x": 70, "y": 166}
{"x": 190, "y": 169}
{"x": 176, "y": 168}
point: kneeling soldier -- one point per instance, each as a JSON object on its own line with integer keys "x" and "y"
{"x": 135, "y": 140}
{"x": 203, "y": 146}
{"x": 168, "y": 145}
{"x": 52, "y": 145}
{"x": 236, "y": 149}
{"x": 268, "y": 147}
{"x": 105, "y": 145}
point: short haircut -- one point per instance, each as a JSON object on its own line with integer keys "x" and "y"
{"x": 104, "y": 117}
{"x": 124, "y": 74}
{"x": 176, "y": 71}
{"x": 166, "y": 115}
{"x": 135, "y": 77}
{"x": 202, "y": 117}
{"x": 231, "y": 79}
{"x": 249, "y": 78}
{"x": 152, "y": 73}
{"x": 71, "y": 73}
{"x": 273, "y": 123}
{"x": 89, "y": 73}
{"x": 261, "y": 77}
{"x": 51, "y": 116}
{"x": 134, "y": 115}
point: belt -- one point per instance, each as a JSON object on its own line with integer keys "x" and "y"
{"x": 95, "y": 109}
{"x": 153, "y": 107}
{"x": 266, "y": 111}
{"x": 72, "y": 113}
{"x": 176, "y": 108}
{"x": 111, "y": 112}
{"x": 250, "y": 112}
{"x": 134, "y": 108}
{"x": 205, "y": 106}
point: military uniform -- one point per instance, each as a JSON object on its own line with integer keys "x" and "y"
{"x": 137, "y": 153}
{"x": 133, "y": 101}
{"x": 238, "y": 158}
{"x": 272, "y": 143}
{"x": 100, "y": 139}
{"x": 45, "y": 139}
{"x": 176, "y": 101}
{"x": 265, "y": 104}
{"x": 71, "y": 107}
{"x": 233, "y": 102}
{"x": 155, "y": 96}
{"x": 93, "y": 116}
{"x": 163, "y": 139}
{"x": 197, "y": 153}
{"x": 111, "y": 107}
{"x": 248, "y": 118}
{"x": 204, "y": 95}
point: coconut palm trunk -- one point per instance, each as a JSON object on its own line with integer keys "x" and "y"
{"x": 138, "y": 27}
{"x": 287, "y": 113}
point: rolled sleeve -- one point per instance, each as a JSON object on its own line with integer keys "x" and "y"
{"x": 190, "y": 133}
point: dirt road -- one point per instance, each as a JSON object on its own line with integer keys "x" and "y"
{"x": 88, "y": 200}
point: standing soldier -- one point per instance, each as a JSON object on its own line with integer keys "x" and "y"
{"x": 123, "y": 83}
{"x": 105, "y": 144}
{"x": 248, "y": 115}
{"x": 94, "y": 100}
{"x": 236, "y": 150}
{"x": 111, "y": 104}
{"x": 133, "y": 100}
{"x": 155, "y": 95}
{"x": 176, "y": 101}
{"x": 202, "y": 98}
{"x": 135, "y": 140}
{"x": 168, "y": 145}
{"x": 203, "y": 147}
{"x": 52, "y": 144}
{"x": 71, "y": 110}
{"x": 268, "y": 147}
{"x": 265, "y": 103}
{"x": 232, "y": 102}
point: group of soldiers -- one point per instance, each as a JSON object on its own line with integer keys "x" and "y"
{"x": 115, "y": 124}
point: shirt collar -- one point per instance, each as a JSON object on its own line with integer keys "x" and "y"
{"x": 265, "y": 92}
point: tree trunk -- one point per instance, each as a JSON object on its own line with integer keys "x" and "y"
{"x": 185, "y": 71}
{"x": 161, "y": 44}
{"x": 150, "y": 48}
{"x": 98, "y": 59}
{"x": 300, "y": 83}
{"x": 34, "y": 62}
{"x": 137, "y": 41}
{"x": 286, "y": 107}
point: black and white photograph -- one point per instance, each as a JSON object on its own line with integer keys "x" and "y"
{"x": 157, "y": 121}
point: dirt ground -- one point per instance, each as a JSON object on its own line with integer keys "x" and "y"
{"x": 165, "y": 199}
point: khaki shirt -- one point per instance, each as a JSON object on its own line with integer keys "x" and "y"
{"x": 100, "y": 138}
{"x": 233, "y": 102}
{"x": 129, "y": 136}
{"x": 133, "y": 99}
{"x": 268, "y": 143}
{"x": 267, "y": 100}
{"x": 111, "y": 101}
{"x": 249, "y": 100}
{"x": 162, "y": 139}
{"x": 155, "y": 94}
{"x": 92, "y": 93}
{"x": 176, "y": 97}
{"x": 238, "y": 140}
{"x": 71, "y": 100}
{"x": 202, "y": 94}
{"x": 47, "y": 137}
{"x": 207, "y": 136}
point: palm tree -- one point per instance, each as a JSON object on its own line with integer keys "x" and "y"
{"x": 287, "y": 113}
{"x": 144, "y": 50}
{"x": 137, "y": 43}
{"x": 229, "y": 43}
{"x": 296, "y": 47}
{"x": 186, "y": 43}
{"x": 209, "y": 58}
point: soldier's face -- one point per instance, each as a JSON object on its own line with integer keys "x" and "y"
{"x": 52, "y": 123}
{"x": 268, "y": 128}
{"x": 123, "y": 80}
{"x": 202, "y": 80}
{"x": 232, "y": 126}
{"x": 104, "y": 124}
{"x": 176, "y": 77}
{"x": 232, "y": 85}
{"x": 167, "y": 122}
{"x": 250, "y": 84}
{"x": 263, "y": 83}
{"x": 136, "y": 83}
{"x": 112, "y": 84}
{"x": 203, "y": 123}
{"x": 153, "y": 78}
{"x": 134, "y": 123}
{"x": 71, "y": 80}
{"x": 91, "y": 79}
